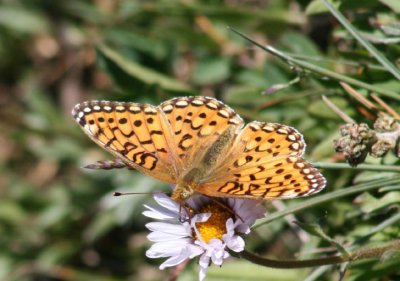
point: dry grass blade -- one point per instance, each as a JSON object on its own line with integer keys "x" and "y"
{"x": 359, "y": 97}
{"x": 388, "y": 108}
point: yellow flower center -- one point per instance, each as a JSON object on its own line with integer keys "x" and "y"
{"x": 215, "y": 226}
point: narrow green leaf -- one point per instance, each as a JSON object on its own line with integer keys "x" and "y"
{"x": 393, "y": 220}
{"x": 317, "y": 69}
{"x": 143, "y": 74}
{"x": 378, "y": 55}
{"x": 365, "y": 167}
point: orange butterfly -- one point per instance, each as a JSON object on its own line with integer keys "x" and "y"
{"x": 199, "y": 144}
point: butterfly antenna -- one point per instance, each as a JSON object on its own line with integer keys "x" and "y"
{"x": 117, "y": 193}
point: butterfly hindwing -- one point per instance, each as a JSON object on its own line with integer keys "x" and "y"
{"x": 265, "y": 162}
{"x": 282, "y": 177}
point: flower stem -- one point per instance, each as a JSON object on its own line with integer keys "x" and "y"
{"x": 356, "y": 255}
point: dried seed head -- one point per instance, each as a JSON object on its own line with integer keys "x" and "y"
{"x": 355, "y": 142}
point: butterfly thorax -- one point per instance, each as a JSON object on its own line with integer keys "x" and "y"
{"x": 187, "y": 186}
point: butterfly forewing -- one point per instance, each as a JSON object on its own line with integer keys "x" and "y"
{"x": 134, "y": 132}
{"x": 196, "y": 123}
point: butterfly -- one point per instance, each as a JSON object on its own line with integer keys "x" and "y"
{"x": 202, "y": 146}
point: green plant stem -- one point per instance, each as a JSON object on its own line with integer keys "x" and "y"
{"x": 316, "y": 200}
{"x": 340, "y": 62}
{"x": 364, "y": 167}
{"x": 319, "y": 70}
{"x": 356, "y": 255}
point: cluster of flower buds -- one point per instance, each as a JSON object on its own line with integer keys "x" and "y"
{"x": 358, "y": 140}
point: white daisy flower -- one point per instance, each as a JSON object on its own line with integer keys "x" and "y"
{"x": 208, "y": 229}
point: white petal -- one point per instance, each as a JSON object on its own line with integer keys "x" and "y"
{"x": 248, "y": 213}
{"x": 204, "y": 261}
{"x": 203, "y": 217}
{"x": 230, "y": 227}
{"x": 215, "y": 243}
{"x": 202, "y": 273}
{"x": 167, "y": 249}
{"x": 235, "y": 243}
{"x": 194, "y": 250}
{"x": 200, "y": 242}
{"x": 242, "y": 228}
{"x": 180, "y": 230}
{"x": 158, "y": 236}
{"x": 166, "y": 202}
{"x": 218, "y": 257}
{"x": 160, "y": 213}
{"x": 216, "y": 250}
{"x": 189, "y": 251}
{"x": 172, "y": 261}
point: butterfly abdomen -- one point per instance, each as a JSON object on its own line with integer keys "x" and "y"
{"x": 220, "y": 147}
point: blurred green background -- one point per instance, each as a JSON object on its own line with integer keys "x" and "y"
{"x": 59, "y": 221}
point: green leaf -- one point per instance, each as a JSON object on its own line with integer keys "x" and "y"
{"x": 391, "y": 30}
{"x": 390, "y": 255}
{"x": 98, "y": 227}
{"x": 304, "y": 46}
{"x": 21, "y": 20}
{"x": 211, "y": 71}
{"x": 392, "y": 4}
{"x": 317, "y": 7}
{"x": 369, "y": 203}
{"x": 6, "y": 265}
{"x": 141, "y": 73}
{"x": 155, "y": 48}
{"x": 321, "y": 110}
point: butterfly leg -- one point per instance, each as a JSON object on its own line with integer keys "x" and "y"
{"x": 185, "y": 213}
